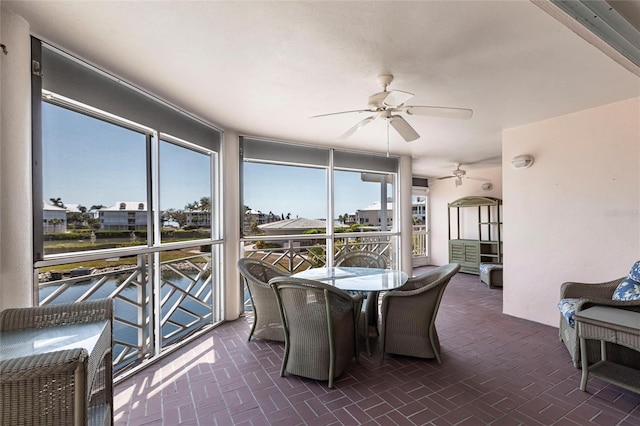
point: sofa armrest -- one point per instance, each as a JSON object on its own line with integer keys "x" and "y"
{"x": 631, "y": 305}
{"x": 575, "y": 290}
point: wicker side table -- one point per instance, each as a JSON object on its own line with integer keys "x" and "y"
{"x": 614, "y": 325}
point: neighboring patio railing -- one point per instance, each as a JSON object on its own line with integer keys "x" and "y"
{"x": 186, "y": 302}
{"x": 419, "y": 241}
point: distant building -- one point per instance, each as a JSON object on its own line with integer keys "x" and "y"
{"x": 54, "y": 219}
{"x": 292, "y": 226}
{"x": 419, "y": 211}
{"x": 255, "y": 216}
{"x": 198, "y": 218}
{"x": 124, "y": 216}
{"x": 295, "y": 226}
{"x": 371, "y": 215}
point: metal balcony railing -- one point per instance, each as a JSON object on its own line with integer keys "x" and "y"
{"x": 186, "y": 303}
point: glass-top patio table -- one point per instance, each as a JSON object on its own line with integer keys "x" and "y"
{"x": 356, "y": 279}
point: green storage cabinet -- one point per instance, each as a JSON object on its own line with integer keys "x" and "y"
{"x": 487, "y": 247}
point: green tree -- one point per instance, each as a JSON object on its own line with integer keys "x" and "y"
{"x": 204, "y": 204}
{"x": 254, "y": 227}
{"x": 173, "y": 215}
{"x": 55, "y": 222}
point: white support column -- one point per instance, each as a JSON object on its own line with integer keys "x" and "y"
{"x": 231, "y": 201}
{"x": 16, "y": 211}
{"x": 406, "y": 219}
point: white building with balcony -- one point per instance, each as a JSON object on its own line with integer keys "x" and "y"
{"x": 54, "y": 219}
{"x": 124, "y": 216}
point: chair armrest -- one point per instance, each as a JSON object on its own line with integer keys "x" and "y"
{"x": 631, "y": 305}
{"x": 356, "y": 297}
{"x": 50, "y": 316}
{"x": 575, "y": 290}
{"x": 408, "y": 292}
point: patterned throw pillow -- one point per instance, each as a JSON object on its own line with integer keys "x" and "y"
{"x": 628, "y": 289}
{"x": 634, "y": 274}
{"x": 568, "y": 310}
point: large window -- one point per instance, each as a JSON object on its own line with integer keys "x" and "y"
{"x": 94, "y": 182}
{"x": 130, "y": 206}
{"x": 185, "y": 192}
{"x": 304, "y": 206}
{"x": 364, "y": 200}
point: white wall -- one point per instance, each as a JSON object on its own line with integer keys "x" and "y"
{"x": 16, "y": 258}
{"x": 442, "y": 192}
{"x": 574, "y": 215}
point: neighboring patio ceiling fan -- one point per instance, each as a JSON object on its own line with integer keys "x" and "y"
{"x": 460, "y": 174}
{"x": 389, "y": 103}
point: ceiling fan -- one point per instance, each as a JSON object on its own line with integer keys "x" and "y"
{"x": 460, "y": 174}
{"x": 388, "y": 104}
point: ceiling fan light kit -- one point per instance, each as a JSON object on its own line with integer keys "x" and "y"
{"x": 459, "y": 174}
{"x": 388, "y": 104}
{"x": 522, "y": 161}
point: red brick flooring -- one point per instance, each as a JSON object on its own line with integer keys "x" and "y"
{"x": 496, "y": 370}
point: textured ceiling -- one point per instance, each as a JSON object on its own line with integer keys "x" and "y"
{"x": 263, "y": 68}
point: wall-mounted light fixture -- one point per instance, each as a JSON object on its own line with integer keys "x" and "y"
{"x": 487, "y": 186}
{"x": 522, "y": 161}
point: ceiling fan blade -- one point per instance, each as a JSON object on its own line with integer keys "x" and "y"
{"x": 343, "y": 112}
{"x": 445, "y": 177}
{"x": 395, "y": 98}
{"x": 444, "y": 112}
{"x": 403, "y": 128}
{"x": 357, "y": 127}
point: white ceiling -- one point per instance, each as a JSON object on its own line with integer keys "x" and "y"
{"x": 262, "y": 68}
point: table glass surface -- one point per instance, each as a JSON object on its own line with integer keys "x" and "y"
{"x": 32, "y": 341}
{"x": 356, "y": 279}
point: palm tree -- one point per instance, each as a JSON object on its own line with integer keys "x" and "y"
{"x": 57, "y": 202}
{"x": 55, "y": 222}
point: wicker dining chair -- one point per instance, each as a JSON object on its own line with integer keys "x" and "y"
{"x": 363, "y": 259}
{"x": 320, "y": 327}
{"x": 256, "y": 274}
{"x": 369, "y": 316}
{"x": 409, "y": 314}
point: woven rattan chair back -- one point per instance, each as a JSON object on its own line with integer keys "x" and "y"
{"x": 409, "y": 314}
{"x": 366, "y": 259}
{"x": 256, "y": 274}
{"x": 320, "y": 327}
{"x": 363, "y": 259}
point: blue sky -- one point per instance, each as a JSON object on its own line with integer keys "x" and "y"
{"x": 90, "y": 162}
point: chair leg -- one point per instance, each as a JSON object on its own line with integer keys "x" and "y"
{"x": 434, "y": 347}
{"x": 366, "y": 336}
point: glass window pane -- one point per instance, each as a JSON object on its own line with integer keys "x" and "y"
{"x": 94, "y": 183}
{"x": 185, "y": 193}
{"x": 283, "y": 200}
{"x": 358, "y": 200}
